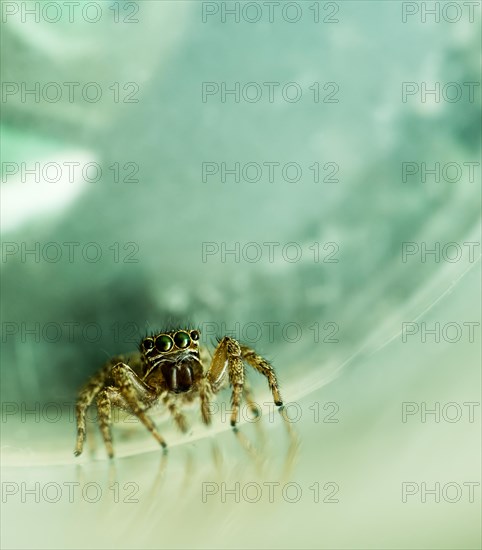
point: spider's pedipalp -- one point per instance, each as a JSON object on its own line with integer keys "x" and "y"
{"x": 127, "y": 384}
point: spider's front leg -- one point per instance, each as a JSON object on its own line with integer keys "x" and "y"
{"x": 115, "y": 385}
{"x": 266, "y": 369}
{"x": 230, "y": 354}
{"x": 137, "y": 395}
{"x": 86, "y": 395}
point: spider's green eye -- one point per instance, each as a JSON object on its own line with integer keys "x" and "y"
{"x": 163, "y": 343}
{"x": 148, "y": 344}
{"x": 182, "y": 340}
{"x": 195, "y": 335}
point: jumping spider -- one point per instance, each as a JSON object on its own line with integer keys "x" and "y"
{"x": 168, "y": 369}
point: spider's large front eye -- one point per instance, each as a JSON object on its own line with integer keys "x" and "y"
{"x": 148, "y": 344}
{"x": 195, "y": 335}
{"x": 163, "y": 343}
{"x": 182, "y": 339}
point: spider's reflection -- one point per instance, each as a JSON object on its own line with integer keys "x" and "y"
{"x": 182, "y": 473}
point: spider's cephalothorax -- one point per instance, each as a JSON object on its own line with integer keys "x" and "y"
{"x": 168, "y": 369}
{"x": 174, "y": 356}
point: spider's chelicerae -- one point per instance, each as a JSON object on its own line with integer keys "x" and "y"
{"x": 168, "y": 369}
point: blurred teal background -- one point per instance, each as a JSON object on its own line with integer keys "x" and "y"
{"x": 158, "y": 55}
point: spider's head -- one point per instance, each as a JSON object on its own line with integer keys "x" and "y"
{"x": 177, "y": 355}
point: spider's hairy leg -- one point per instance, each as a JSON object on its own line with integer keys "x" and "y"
{"x": 104, "y": 409}
{"x": 106, "y": 399}
{"x": 228, "y": 354}
{"x": 86, "y": 395}
{"x": 179, "y": 418}
{"x": 128, "y": 385}
{"x": 205, "y": 393}
{"x": 261, "y": 365}
{"x": 248, "y": 394}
